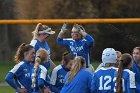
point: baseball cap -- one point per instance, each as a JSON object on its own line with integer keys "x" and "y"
{"x": 109, "y": 56}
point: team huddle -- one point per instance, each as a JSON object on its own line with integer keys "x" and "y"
{"x": 118, "y": 73}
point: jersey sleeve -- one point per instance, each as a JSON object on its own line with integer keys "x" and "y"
{"x": 9, "y": 79}
{"x": 17, "y": 69}
{"x": 42, "y": 76}
{"x": 53, "y": 77}
{"x": 89, "y": 40}
{"x": 41, "y": 83}
{"x": 132, "y": 80}
{"x": 34, "y": 44}
{"x": 54, "y": 89}
{"x": 63, "y": 42}
{"x": 43, "y": 72}
{"x": 54, "y": 74}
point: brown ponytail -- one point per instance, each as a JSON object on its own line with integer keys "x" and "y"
{"x": 19, "y": 56}
{"x": 125, "y": 61}
{"x": 119, "y": 79}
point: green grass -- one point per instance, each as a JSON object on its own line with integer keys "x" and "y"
{"x": 6, "y": 89}
{"x": 5, "y": 67}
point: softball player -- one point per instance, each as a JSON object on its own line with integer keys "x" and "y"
{"x": 39, "y": 76}
{"x": 136, "y": 67}
{"x": 59, "y": 72}
{"x": 103, "y": 79}
{"x": 41, "y": 33}
{"x": 79, "y": 44}
{"x": 20, "y": 76}
{"x": 78, "y": 80}
{"x": 125, "y": 82}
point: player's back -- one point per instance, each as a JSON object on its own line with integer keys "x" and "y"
{"x": 103, "y": 80}
{"x": 128, "y": 81}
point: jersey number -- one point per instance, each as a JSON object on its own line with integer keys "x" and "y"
{"x": 106, "y": 85}
{"x": 108, "y": 80}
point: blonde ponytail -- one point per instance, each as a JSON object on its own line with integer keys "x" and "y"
{"x": 41, "y": 57}
{"x": 79, "y": 63}
{"x": 36, "y": 66}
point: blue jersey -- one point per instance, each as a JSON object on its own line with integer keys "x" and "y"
{"x": 103, "y": 80}
{"x": 128, "y": 81}
{"x": 57, "y": 78}
{"x": 22, "y": 75}
{"x": 37, "y": 44}
{"x": 81, "y": 83}
{"x": 42, "y": 79}
{"x": 136, "y": 70}
{"x": 79, "y": 47}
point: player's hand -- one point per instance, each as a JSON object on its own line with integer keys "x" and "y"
{"x": 47, "y": 90}
{"x": 22, "y": 90}
{"x": 64, "y": 28}
{"x": 81, "y": 29}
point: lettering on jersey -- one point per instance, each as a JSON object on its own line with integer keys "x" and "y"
{"x": 76, "y": 48}
{"x": 61, "y": 78}
{"x": 27, "y": 75}
{"x": 71, "y": 43}
{"x": 25, "y": 70}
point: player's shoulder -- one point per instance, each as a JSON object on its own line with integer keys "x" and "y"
{"x": 114, "y": 68}
{"x": 55, "y": 71}
{"x": 57, "y": 68}
{"x": 33, "y": 42}
{"x": 105, "y": 70}
{"x": 42, "y": 68}
{"x": 99, "y": 70}
{"x": 68, "y": 39}
{"x": 129, "y": 71}
{"x": 17, "y": 66}
{"x": 85, "y": 73}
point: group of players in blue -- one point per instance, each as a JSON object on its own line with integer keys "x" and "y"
{"x": 75, "y": 74}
